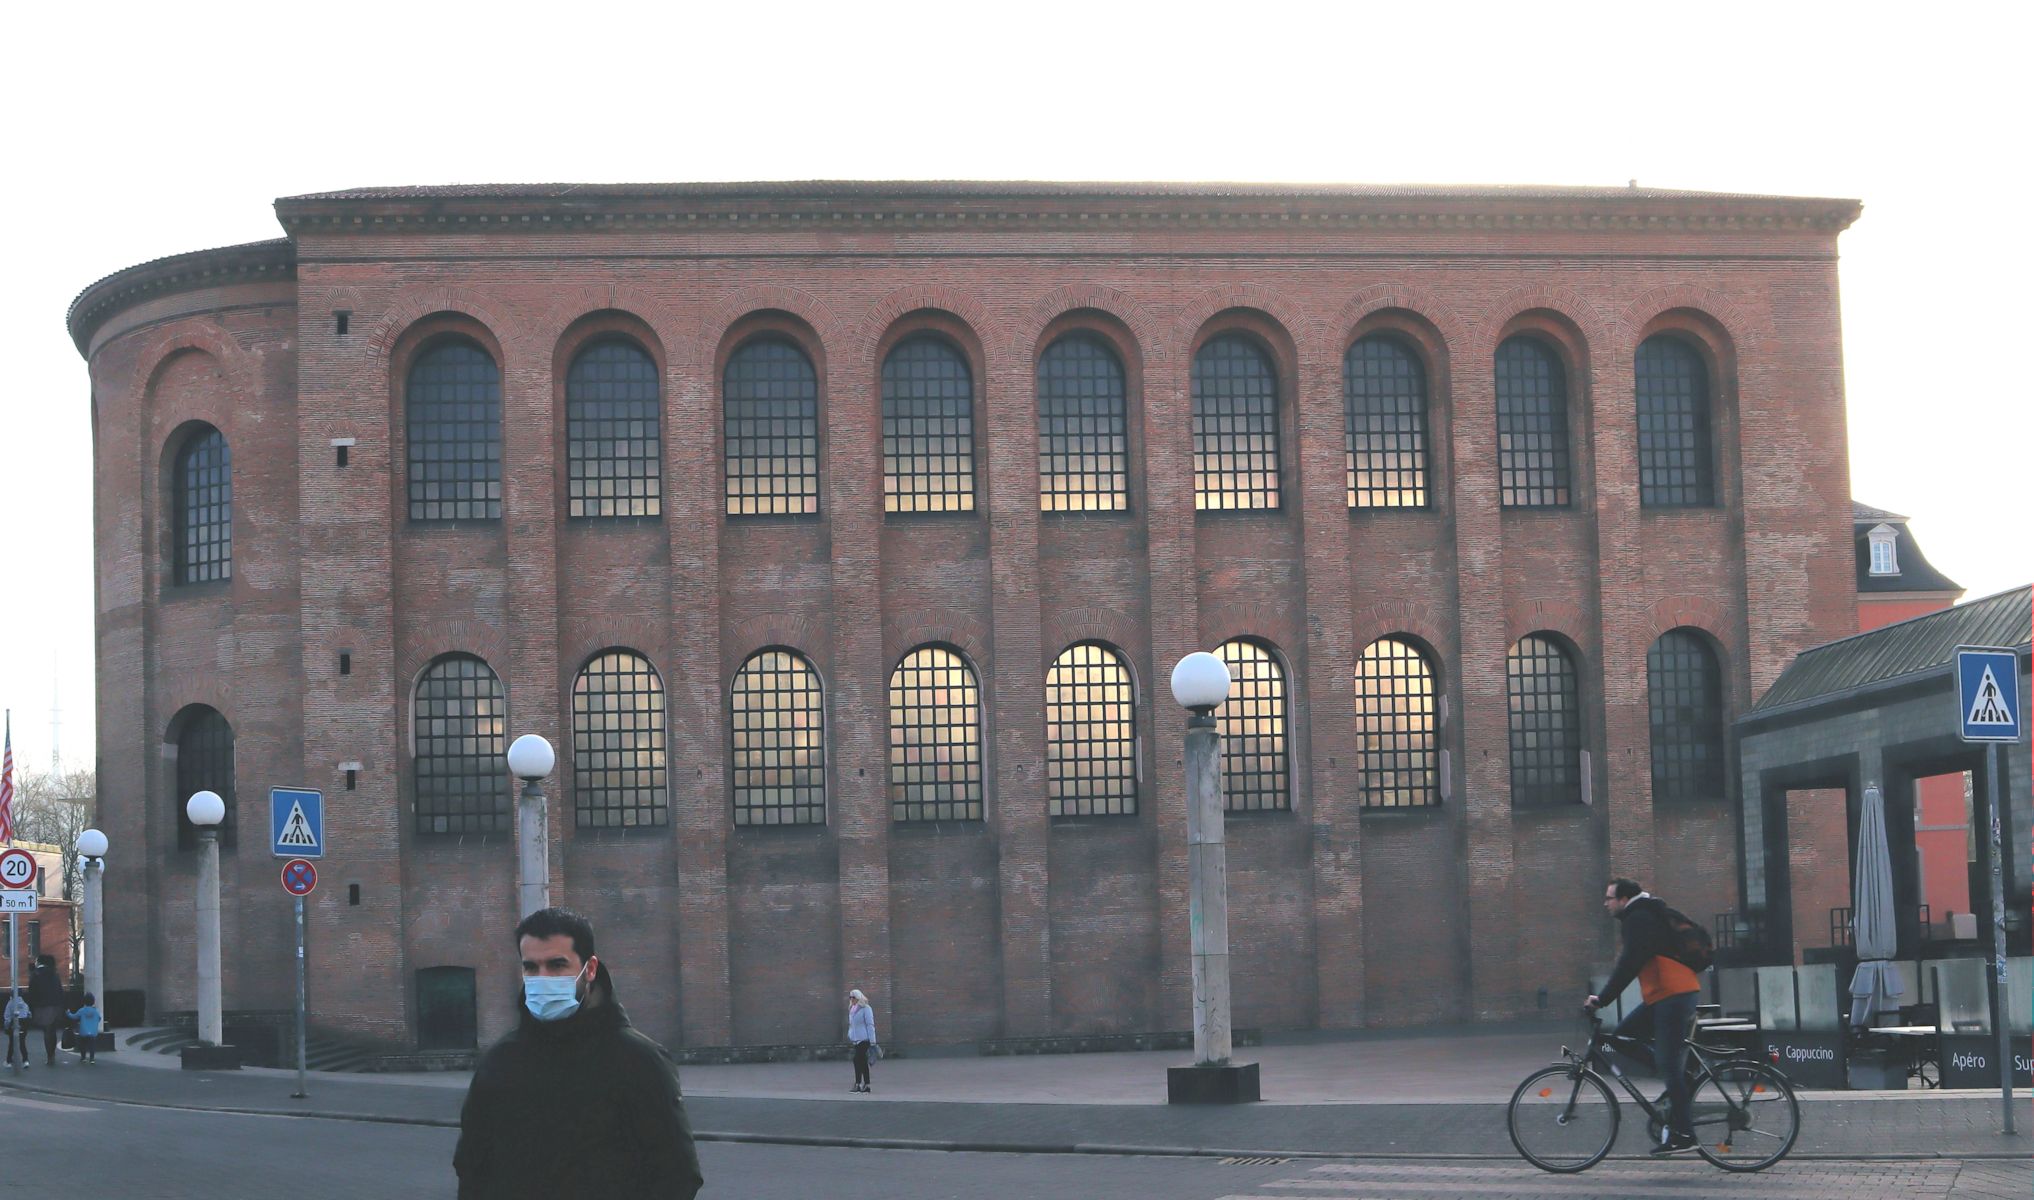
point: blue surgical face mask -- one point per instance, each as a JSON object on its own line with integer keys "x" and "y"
{"x": 551, "y": 997}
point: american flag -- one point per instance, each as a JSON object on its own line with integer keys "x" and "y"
{"x": 7, "y": 786}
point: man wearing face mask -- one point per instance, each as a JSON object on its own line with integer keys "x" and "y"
{"x": 574, "y": 1102}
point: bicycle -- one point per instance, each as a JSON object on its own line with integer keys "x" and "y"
{"x": 1564, "y": 1117}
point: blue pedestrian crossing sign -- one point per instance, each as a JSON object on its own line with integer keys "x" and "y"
{"x": 1988, "y": 694}
{"x": 296, "y": 816}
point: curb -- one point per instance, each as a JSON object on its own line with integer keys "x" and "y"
{"x": 984, "y": 1147}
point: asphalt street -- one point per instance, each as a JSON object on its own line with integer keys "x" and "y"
{"x": 52, "y": 1146}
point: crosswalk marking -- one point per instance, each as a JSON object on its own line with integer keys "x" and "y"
{"x": 44, "y": 1105}
{"x": 1683, "y": 1178}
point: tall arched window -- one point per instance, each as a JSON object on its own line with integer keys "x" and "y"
{"x": 1672, "y": 384}
{"x": 460, "y": 735}
{"x": 777, "y": 728}
{"x": 1399, "y": 758}
{"x": 453, "y": 404}
{"x": 614, "y": 445}
{"x": 1384, "y": 410}
{"x": 1546, "y": 724}
{"x": 770, "y": 430}
{"x": 1235, "y": 419}
{"x": 935, "y": 738}
{"x": 1090, "y": 734}
{"x": 1255, "y": 749}
{"x": 204, "y": 763}
{"x": 1684, "y": 692}
{"x": 1533, "y": 468}
{"x": 203, "y": 477}
{"x": 928, "y": 429}
{"x": 618, "y": 743}
{"x": 1083, "y": 429}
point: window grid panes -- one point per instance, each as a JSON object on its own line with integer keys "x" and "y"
{"x": 778, "y": 729}
{"x": 1673, "y": 417}
{"x": 1533, "y": 468}
{"x": 1384, "y": 409}
{"x": 461, "y": 735}
{"x": 1684, "y": 691}
{"x": 205, "y": 763}
{"x": 614, "y": 448}
{"x": 1546, "y": 725}
{"x": 618, "y": 779}
{"x": 1083, "y": 432}
{"x": 935, "y": 738}
{"x": 1090, "y": 734}
{"x": 928, "y": 429}
{"x": 1395, "y": 720}
{"x": 770, "y": 395}
{"x": 1252, "y": 721}
{"x": 454, "y": 421}
{"x": 204, "y": 509}
{"x": 1235, "y": 426}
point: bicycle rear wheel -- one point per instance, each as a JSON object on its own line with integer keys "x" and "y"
{"x": 1562, "y": 1119}
{"x": 1746, "y": 1117}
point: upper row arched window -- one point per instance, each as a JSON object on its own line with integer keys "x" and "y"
{"x": 928, "y": 429}
{"x": 1235, "y": 420}
{"x": 614, "y": 445}
{"x": 771, "y": 432}
{"x": 203, "y": 484}
{"x": 453, "y": 402}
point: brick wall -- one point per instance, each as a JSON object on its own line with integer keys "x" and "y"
{"x": 1019, "y": 925}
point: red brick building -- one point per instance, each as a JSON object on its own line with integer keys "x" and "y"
{"x": 842, "y": 537}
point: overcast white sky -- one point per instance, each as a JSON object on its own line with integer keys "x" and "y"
{"x": 134, "y": 134}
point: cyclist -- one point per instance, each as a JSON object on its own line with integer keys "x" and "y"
{"x": 1670, "y": 991}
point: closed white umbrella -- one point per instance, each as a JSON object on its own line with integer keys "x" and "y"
{"x": 1877, "y": 984}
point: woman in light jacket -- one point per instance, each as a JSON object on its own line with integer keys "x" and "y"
{"x": 861, "y": 1032}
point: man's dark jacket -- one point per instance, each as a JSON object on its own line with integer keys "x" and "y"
{"x": 1645, "y": 936}
{"x": 585, "y": 1106}
{"x": 45, "y": 990}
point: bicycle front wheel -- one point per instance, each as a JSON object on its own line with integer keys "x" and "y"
{"x": 1746, "y": 1117}
{"x": 1563, "y": 1119}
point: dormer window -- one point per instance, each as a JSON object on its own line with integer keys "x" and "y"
{"x": 1885, "y": 555}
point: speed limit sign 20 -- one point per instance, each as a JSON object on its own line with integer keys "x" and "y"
{"x": 17, "y": 869}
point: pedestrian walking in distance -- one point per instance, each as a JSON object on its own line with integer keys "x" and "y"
{"x": 46, "y": 997}
{"x": 574, "y": 1103}
{"x": 89, "y": 1021}
{"x": 862, "y": 1035}
{"x": 16, "y": 1017}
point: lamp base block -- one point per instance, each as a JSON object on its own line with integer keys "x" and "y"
{"x": 211, "y": 1058}
{"x": 1204, "y": 1084}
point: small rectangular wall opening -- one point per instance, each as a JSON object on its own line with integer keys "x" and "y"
{"x": 353, "y": 894}
{"x": 346, "y": 662}
{"x": 341, "y": 320}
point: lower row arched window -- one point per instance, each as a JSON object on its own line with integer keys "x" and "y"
{"x": 935, "y": 738}
{"x": 1684, "y": 692}
{"x": 1546, "y": 723}
{"x": 1090, "y": 734}
{"x": 460, "y": 738}
{"x": 1256, "y": 752}
{"x": 618, "y": 736}
{"x": 777, "y": 731}
{"x": 1396, "y": 722}
{"x": 204, "y": 743}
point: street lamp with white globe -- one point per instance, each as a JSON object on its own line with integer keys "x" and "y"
{"x": 1200, "y": 682}
{"x": 206, "y": 810}
{"x": 91, "y": 846}
{"x": 530, "y": 759}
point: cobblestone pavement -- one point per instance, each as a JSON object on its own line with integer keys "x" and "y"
{"x": 1385, "y": 1179}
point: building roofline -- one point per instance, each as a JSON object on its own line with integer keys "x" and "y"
{"x": 273, "y": 259}
{"x": 1422, "y": 205}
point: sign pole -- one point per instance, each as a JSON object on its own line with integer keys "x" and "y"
{"x": 300, "y": 1092}
{"x": 14, "y": 985}
{"x": 1995, "y": 792}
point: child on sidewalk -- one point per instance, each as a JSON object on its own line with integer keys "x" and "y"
{"x": 89, "y": 1020}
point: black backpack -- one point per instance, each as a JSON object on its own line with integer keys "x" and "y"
{"x": 1688, "y": 943}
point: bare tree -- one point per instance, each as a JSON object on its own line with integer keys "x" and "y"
{"x": 55, "y": 808}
